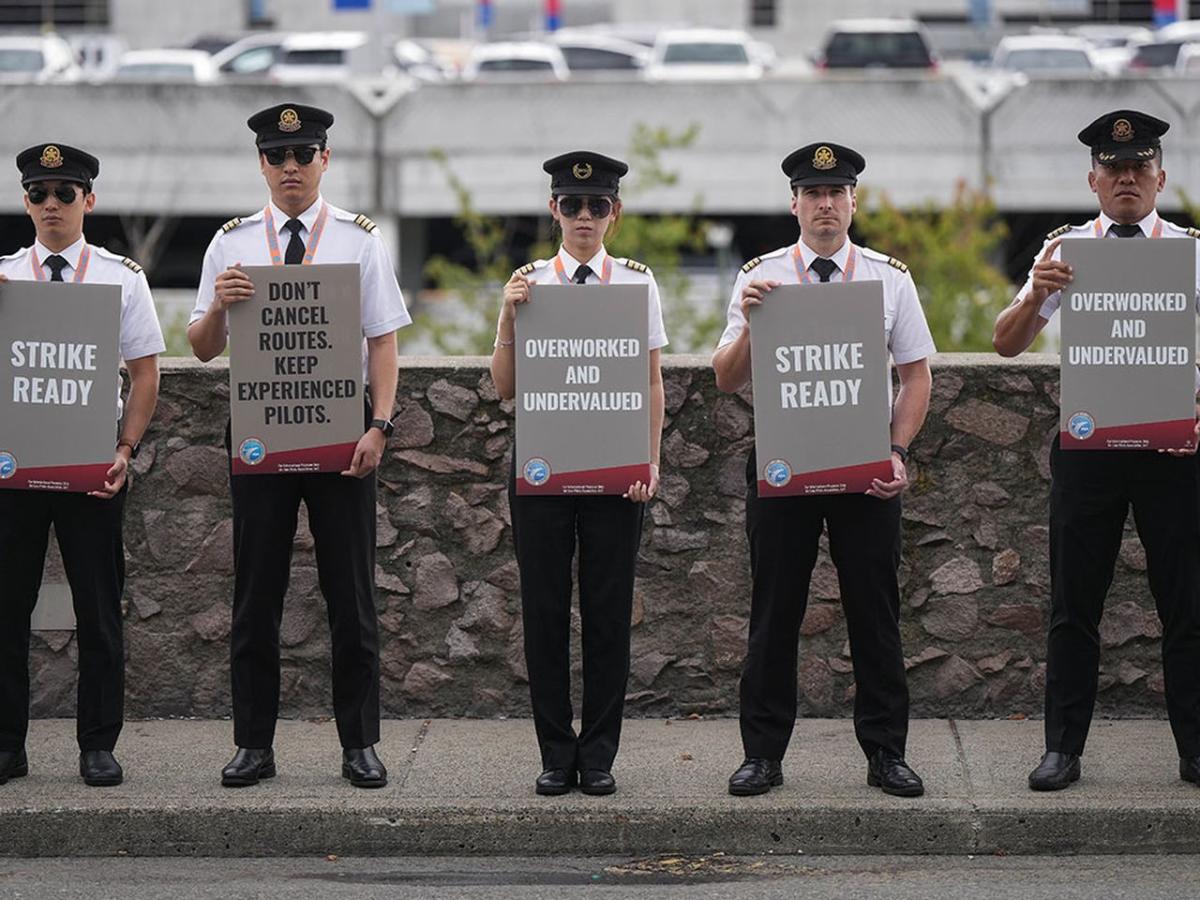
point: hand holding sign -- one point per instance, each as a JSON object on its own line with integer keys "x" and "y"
{"x": 114, "y": 478}
{"x": 232, "y": 286}
{"x": 886, "y": 490}
{"x": 643, "y": 493}
{"x": 515, "y": 291}
{"x": 1049, "y": 275}
{"x": 753, "y": 294}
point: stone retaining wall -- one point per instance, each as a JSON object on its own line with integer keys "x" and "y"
{"x": 975, "y": 577}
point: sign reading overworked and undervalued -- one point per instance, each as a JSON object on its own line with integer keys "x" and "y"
{"x": 295, "y": 370}
{"x": 1128, "y": 339}
{"x": 583, "y": 389}
{"x": 821, "y": 389}
{"x": 58, "y": 400}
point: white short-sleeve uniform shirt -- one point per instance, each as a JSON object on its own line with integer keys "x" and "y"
{"x": 905, "y": 328}
{"x": 619, "y": 271}
{"x": 345, "y": 238}
{"x": 140, "y": 333}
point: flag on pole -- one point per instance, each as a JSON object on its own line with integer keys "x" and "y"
{"x": 553, "y": 15}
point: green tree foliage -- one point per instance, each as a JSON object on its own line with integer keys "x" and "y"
{"x": 948, "y": 251}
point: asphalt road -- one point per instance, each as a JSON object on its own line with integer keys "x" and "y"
{"x": 670, "y": 878}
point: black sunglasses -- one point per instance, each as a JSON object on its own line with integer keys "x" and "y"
{"x": 599, "y": 207}
{"x": 276, "y": 156}
{"x": 38, "y": 193}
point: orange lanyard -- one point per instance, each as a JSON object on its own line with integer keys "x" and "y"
{"x": 80, "y": 270}
{"x": 805, "y": 275}
{"x": 605, "y": 276}
{"x": 313, "y": 239}
{"x": 1155, "y": 232}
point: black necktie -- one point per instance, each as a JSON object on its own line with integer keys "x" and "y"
{"x": 56, "y": 264}
{"x": 295, "y": 247}
{"x": 581, "y": 274}
{"x": 1126, "y": 230}
{"x": 823, "y": 267}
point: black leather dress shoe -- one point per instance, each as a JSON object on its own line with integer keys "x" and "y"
{"x": 13, "y": 764}
{"x": 553, "y": 782}
{"x": 100, "y": 768}
{"x": 755, "y": 776}
{"x": 597, "y": 782}
{"x": 1189, "y": 769}
{"x": 892, "y": 774}
{"x": 363, "y": 768}
{"x": 1055, "y": 772}
{"x": 248, "y": 766}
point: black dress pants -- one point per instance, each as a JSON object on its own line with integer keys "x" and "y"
{"x": 607, "y": 531}
{"x": 89, "y": 537}
{"x": 341, "y": 514}
{"x": 1090, "y": 496}
{"x": 864, "y": 542}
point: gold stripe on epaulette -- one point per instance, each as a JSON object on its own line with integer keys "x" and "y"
{"x": 130, "y": 264}
{"x": 1193, "y": 232}
{"x": 635, "y": 265}
{"x": 525, "y": 269}
{"x": 896, "y": 264}
{"x": 231, "y": 224}
{"x": 750, "y": 265}
{"x": 1059, "y": 231}
{"x": 365, "y": 224}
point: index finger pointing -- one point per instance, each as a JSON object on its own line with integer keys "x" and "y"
{"x": 1048, "y": 253}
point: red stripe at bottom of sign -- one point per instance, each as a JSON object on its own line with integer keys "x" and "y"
{"x": 1178, "y": 434}
{"x": 309, "y": 461}
{"x": 843, "y": 480}
{"x": 70, "y": 479}
{"x": 615, "y": 480}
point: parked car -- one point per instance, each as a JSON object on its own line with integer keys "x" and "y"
{"x": 415, "y": 59}
{"x": 1045, "y": 54}
{"x": 36, "y": 60}
{"x": 516, "y": 60}
{"x": 249, "y": 59}
{"x": 323, "y": 56}
{"x": 701, "y": 54}
{"x": 588, "y": 52}
{"x": 1156, "y": 54}
{"x": 1188, "y": 61}
{"x": 193, "y": 66}
{"x": 876, "y": 43}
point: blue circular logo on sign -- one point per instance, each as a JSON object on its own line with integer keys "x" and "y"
{"x": 8, "y": 464}
{"x": 537, "y": 471}
{"x": 778, "y": 473}
{"x": 252, "y": 451}
{"x": 1081, "y": 426}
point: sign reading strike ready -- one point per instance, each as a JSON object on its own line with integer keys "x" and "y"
{"x": 295, "y": 370}
{"x": 58, "y": 402}
{"x": 1128, "y": 338}
{"x": 583, "y": 389}
{"x": 821, "y": 389}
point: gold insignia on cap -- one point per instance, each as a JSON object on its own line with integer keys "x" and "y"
{"x": 1106, "y": 157}
{"x": 1122, "y": 130}
{"x": 824, "y": 159}
{"x": 582, "y": 171}
{"x": 289, "y": 120}
{"x": 1147, "y": 152}
{"x": 52, "y": 157}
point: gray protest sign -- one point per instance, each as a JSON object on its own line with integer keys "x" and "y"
{"x": 821, "y": 389}
{"x": 583, "y": 389}
{"x": 1128, "y": 338}
{"x": 58, "y": 400}
{"x": 295, "y": 370}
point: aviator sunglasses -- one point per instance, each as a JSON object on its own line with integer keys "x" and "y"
{"x": 599, "y": 207}
{"x": 276, "y": 156}
{"x": 38, "y": 193}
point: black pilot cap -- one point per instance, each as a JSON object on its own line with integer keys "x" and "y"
{"x": 584, "y": 172}
{"x": 823, "y": 164}
{"x": 1124, "y": 134}
{"x": 289, "y": 125}
{"x": 50, "y": 162}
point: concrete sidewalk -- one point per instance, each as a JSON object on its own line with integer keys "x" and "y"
{"x": 466, "y": 787}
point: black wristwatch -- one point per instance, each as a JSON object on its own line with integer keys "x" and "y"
{"x": 901, "y": 452}
{"x": 384, "y": 425}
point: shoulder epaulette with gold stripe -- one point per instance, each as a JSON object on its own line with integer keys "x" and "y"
{"x": 525, "y": 269}
{"x": 750, "y": 265}
{"x": 1193, "y": 232}
{"x": 130, "y": 264}
{"x": 635, "y": 265}
{"x": 231, "y": 224}
{"x": 1059, "y": 232}
{"x": 365, "y": 224}
{"x": 896, "y": 264}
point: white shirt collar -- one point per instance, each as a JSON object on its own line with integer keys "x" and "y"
{"x": 570, "y": 263}
{"x": 808, "y": 254}
{"x": 308, "y": 217}
{"x": 71, "y": 254}
{"x": 1147, "y": 224}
